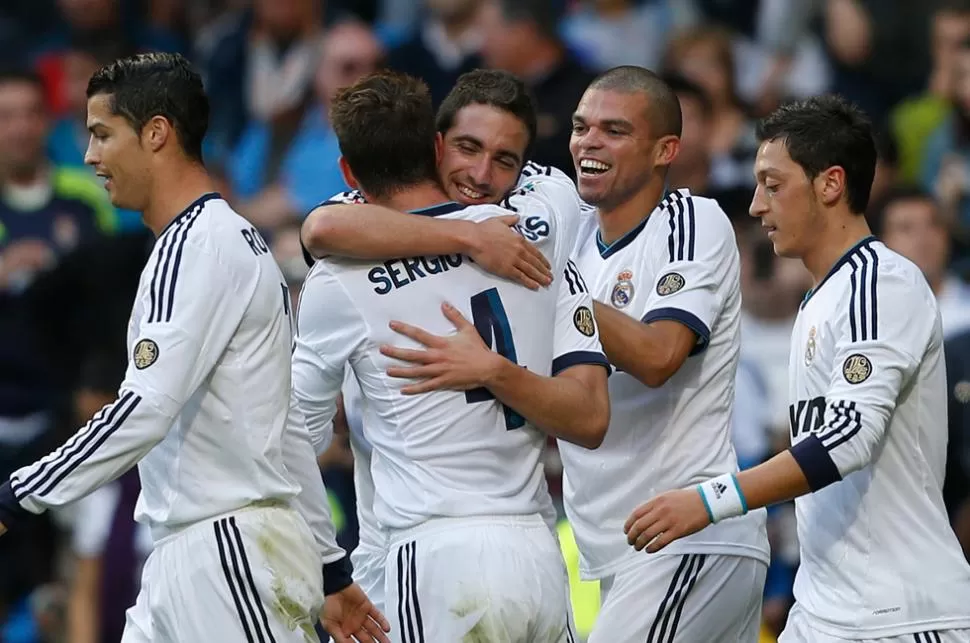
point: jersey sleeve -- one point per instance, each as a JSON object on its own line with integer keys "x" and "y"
{"x": 576, "y": 337}
{"x": 879, "y": 344}
{"x": 329, "y": 330}
{"x": 546, "y": 194}
{"x": 312, "y": 502}
{"x": 700, "y": 254}
{"x": 191, "y": 310}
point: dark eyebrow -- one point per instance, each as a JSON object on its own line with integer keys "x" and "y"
{"x": 467, "y": 138}
{"x": 95, "y": 125}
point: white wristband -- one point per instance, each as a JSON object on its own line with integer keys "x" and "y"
{"x": 722, "y": 497}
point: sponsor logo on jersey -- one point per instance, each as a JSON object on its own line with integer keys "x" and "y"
{"x": 669, "y": 284}
{"x": 623, "y": 291}
{"x": 856, "y": 369}
{"x": 145, "y": 353}
{"x": 810, "y": 347}
{"x": 583, "y": 321}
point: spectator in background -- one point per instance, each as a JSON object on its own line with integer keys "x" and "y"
{"x": 915, "y": 119}
{"x": 443, "y": 48}
{"x": 610, "y": 33}
{"x": 309, "y": 172}
{"x": 258, "y": 66}
{"x": 956, "y": 487}
{"x": 880, "y": 50}
{"x": 909, "y": 221}
{"x": 946, "y": 167}
{"x": 521, "y": 37}
{"x": 109, "y": 547}
{"x": 705, "y": 56}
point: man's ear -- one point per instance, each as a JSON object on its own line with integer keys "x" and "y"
{"x": 348, "y": 174}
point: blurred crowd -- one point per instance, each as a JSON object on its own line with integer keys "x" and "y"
{"x": 69, "y": 261}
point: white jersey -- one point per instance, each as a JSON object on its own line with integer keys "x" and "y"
{"x": 680, "y": 263}
{"x": 204, "y": 403}
{"x": 447, "y": 454}
{"x": 869, "y": 424}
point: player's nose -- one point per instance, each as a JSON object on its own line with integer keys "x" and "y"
{"x": 759, "y": 204}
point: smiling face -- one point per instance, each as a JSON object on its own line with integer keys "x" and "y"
{"x": 785, "y": 200}
{"x": 614, "y": 150}
{"x": 116, "y": 153}
{"x": 482, "y": 154}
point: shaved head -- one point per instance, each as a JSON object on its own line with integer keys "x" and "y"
{"x": 663, "y": 108}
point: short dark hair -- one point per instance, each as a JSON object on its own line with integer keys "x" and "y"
{"x": 823, "y": 132}
{"x": 663, "y": 105}
{"x": 385, "y": 127}
{"x": 876, "y": 216}
{"x": 494, "y": 88}
{"x": 157, "y": 84}
{"x": 682, "y": 86}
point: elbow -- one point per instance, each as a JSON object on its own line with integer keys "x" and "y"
{"x": 317, "y": 231}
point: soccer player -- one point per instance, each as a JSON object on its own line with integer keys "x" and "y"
{"x": 879, "y": 561}
{"x": 457, "y": 474}
{"x": 230, "y": 491}
{"x": 486, "y": 125}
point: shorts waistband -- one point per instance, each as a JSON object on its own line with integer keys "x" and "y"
{"x": 164, "y": 533}
{"x": 436, "y": 525}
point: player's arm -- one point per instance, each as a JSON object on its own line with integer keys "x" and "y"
{"x": 367, "y": 231}
{"x": 684, "y": 302}
{"x": 573, "y": 404}
{"x": 878, "y": 348}
{"x": 187, "y": 324}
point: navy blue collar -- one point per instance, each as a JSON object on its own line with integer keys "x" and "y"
{"x": 192, "y": 206}
{"x": 440, "y": 209}
{"x": 838, "y": 264}
{"x": 608, "y": 250}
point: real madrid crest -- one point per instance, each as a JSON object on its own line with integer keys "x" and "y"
{"x": 583, "y": 321}
{"x": 670, "y": 283}
{"x": 810, "y": 347}
{"x": 145, "y": 353}
{"x": 856, "y": 369}
{"x": 623, "y": 290}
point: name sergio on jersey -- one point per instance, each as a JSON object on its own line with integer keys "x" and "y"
{"x": 398, "y": 273}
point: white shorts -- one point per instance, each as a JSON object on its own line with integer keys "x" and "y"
{"x": 369, "y": 563}
{"x": 496, "y": 578}
{"x": 799, "y": 630}
{"x": 685, "y": 598}
{"x": 254, "y": 576}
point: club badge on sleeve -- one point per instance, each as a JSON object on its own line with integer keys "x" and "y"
{"x": 623, "y": 290}
{"x": 856, "y": 369}
{"x": 669, "y": 284}
{"x": 145, "y": 353}
{"x": 583, "y": 321}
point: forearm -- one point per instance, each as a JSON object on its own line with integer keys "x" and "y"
{"x": 111, "y": 443}
{"x": 313, "y": 505}
{"x": 634, "y": 347}
{"x": 778, "y": 480}
{"x": 367, "y": 231}
{"x": 563, "y": 407}
{"x": 269, "y": 209}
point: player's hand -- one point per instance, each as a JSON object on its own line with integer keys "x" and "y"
{"x": 349, "y": 616}
{"x": 502, "y": 251}
{"x": 458, "y": 362}
{"x": 669, "y": 516}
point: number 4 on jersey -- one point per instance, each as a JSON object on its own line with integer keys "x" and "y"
{"x": 492, "y": 323}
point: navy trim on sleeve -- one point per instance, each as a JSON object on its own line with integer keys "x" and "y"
{"x": 11, "y": 512}
{"x": 337, "y": 575}
{"x": 690, "y": 320}
{"x": 576, "y": 358}
{"x": 816, "y": 463}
